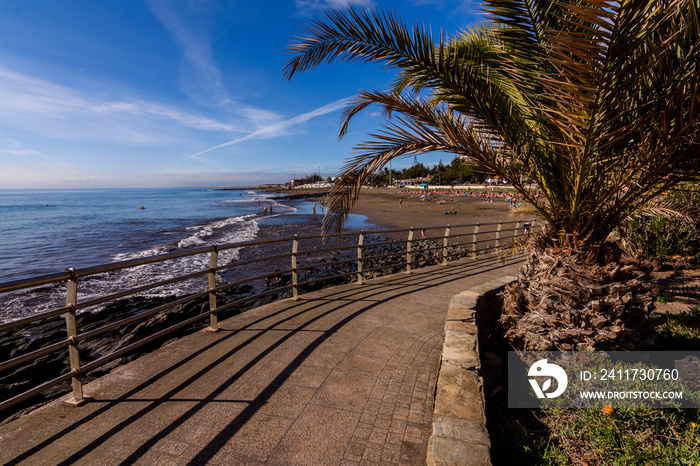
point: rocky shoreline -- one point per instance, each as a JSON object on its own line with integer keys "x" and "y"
{"x": 40, "y": 334}
{"x": 304, "y": 195}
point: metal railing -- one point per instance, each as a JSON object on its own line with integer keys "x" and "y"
{"x": 372, "y": 248}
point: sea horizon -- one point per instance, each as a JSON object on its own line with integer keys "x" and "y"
{"x": 49, "y": 230}
{"x": 260, "y": 186}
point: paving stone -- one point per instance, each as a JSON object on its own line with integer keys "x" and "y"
{"x": 446, "y": 451}
{"x": 372, "y": 453}
{"x": 460, "y": 349}
{"x": 394, "y": 438}
{"x": 489, "y": 286}
{"x": 460, "y": 301}
{"x": 319, "y": 434}
{"x": 461, "y": 327}
{"x": 337, "y": 392}
{"x": 460, "y": 313}
{"x": 459, "y": 394}
{"x": 257, "y": 438}
{"x": 460, "y": 429}
{"x": 390, "y": 457}
{"x": 377, "y": 436}
{"x": 459, "y": 434}
{"x": 361, "y": 363}
{"x": 286, "y": 383}
{"x": 356, "y": 448}
{"x": 309, "y": 376}
{"x": 363, "y": 432}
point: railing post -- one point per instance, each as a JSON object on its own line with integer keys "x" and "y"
{"x": 498, "y": 237}
{"x": 444, "y": 246}
{"x": 295, "y": 275}
{"x": 409, "y": 256}
{"x": 213, "y": 317}
{"x": 476, "y": 233}
{"x": 72, "y": 331}
{"x": 517, "y": 225}
{"x": 360, "y": 241}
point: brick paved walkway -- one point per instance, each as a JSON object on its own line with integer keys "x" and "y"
{"x": 344, "y": 376}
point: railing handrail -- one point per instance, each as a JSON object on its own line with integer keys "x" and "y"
{"x": 71, "y": 277}
{"x": 6, "y": 287}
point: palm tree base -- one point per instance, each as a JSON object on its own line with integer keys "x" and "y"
{"x": 562, "y": 302}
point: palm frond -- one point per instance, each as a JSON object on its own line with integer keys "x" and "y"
{"x": 452, "y": 69}
{"x": 526, "y": 211}
{"x": 597, "y": 101}
{"x": 360, "y": 35}
{"x": 666, "y": 207}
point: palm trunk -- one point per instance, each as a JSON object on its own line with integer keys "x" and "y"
{"x": 562, "y": 302}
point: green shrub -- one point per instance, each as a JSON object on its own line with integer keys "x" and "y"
{"x": 663, "y": 237}
{"x": 622, "y": 436}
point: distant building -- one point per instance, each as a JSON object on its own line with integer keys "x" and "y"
{"x": 414, "y": 181}
{"x": 302, "y": 183}
{"x": 298, "y": 182}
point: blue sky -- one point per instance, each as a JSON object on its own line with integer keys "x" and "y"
{"x": 178, "y": 93}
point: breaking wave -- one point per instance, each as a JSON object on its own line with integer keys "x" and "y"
{"x": 230, "y": 230}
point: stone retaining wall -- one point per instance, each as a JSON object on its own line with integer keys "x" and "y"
{"x": 459, "y": 419}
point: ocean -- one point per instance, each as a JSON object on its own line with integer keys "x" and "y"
{"x": 48, "y": 231}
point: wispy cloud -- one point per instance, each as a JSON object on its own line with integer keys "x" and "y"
{"x": 308, "y": 7}
{"x": 12, "y": 147}
{"x": 278, "y": 129}
{"x": 16, "y": 148}
{"x": 67, "y": 177}
{"x": 50, "y": 109}
{"x": 200, "y": 76}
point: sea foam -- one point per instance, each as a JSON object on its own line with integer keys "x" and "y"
{"x": 220, "y": 232}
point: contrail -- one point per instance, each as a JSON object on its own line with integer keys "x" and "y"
{"x": 272, "y": 129}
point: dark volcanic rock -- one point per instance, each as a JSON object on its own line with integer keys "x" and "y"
{"x": 23, "y": 340}
{"x": 300, "y": 196}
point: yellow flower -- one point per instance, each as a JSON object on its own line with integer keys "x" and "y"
{"x": 693, "y": 425}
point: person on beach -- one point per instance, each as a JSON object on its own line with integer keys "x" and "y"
{"x": 314, "y": 209}
{"x": 400, "y": 203}
{"x": 264, "y": 211}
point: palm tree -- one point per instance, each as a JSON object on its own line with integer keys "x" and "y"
{"x": 596, "y": 101}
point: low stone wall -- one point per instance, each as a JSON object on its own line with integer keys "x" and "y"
{"x": 459, "y": 419}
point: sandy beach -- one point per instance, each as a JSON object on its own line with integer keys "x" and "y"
{"x": 394, "y": 208}
{"x": 397, "y": 208}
